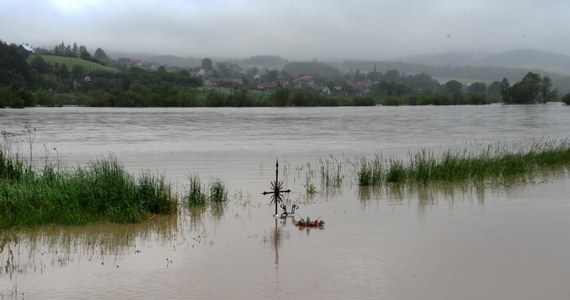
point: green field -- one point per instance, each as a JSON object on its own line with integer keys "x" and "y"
{"x": 70, "y": 62}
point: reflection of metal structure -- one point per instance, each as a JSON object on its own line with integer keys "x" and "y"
{"x": 276, "y": 189}
{"x": 275, "y": 238}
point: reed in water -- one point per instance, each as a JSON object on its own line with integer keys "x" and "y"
{"x": 495, "y": 162}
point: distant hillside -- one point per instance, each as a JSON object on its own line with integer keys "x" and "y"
{"x": 70, "y": 62}
{"x": 447, "y": 59}
{"x": 530, "y": 59}
{"x": 312, "y": 68}
{"x": 265, "y": 61}
{"x": 519, "y": 58}
{"x": 175, "y": 61}
{"x": 475, "y": 73}
{"x": 465, "y": 74}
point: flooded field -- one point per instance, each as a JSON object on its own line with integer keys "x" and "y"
{"x": 394, "y": 242}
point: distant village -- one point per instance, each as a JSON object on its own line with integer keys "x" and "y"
{"x": 169, "y": 82}
{"x": 260, "y": 81}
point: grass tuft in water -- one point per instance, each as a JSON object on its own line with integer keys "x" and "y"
{"x": 218, "y": 192}
{"x": 331, "y": 172}
{"x": 310, "y": 188}
{"x": 371, "y": 172}
{"x": 155, "y": 194}
{"x": 196, "y": 195}
{"x": 496, "y": 162}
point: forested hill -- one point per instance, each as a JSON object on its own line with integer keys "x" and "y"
{"x": 477, "y": 73}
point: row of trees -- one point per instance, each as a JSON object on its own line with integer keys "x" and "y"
{"x": 75, "y": 51}
{"x": 28, "y": 81}
{"x": 531, "y": 89}
{"x": 421, "y": 89}
{"x": 169, "y": 95}
{"x": 393, "y": 87}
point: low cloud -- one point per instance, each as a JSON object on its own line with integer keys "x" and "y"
{"x": 293, "y": 29}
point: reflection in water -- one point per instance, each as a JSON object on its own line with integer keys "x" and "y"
{"x": 275, "y": 239}
{"x": 197, "y": 217}
{"x": 276, "y": 235}
{"x": 330, "y": 191}
{"x": 217, "y": 211}
{"x": 368, "y": 255}
{"x": 430, "y": 194}
{"x": 426, "y": 194}
{"x": 37, "y": 250}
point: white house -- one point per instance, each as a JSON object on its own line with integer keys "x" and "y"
{"x": 27, "y": 47}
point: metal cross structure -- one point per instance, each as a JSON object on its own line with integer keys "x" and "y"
{"x": 276, "y": 189}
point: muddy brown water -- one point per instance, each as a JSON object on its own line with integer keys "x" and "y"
{"x": 408, "y": 242}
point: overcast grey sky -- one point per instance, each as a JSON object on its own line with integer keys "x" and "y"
{"x": 293, "y": 29}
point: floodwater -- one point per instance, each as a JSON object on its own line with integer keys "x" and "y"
{"x": 396, "y": 242}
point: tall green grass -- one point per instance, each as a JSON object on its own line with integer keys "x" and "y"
{"x": 10, "y": 169}
{"x": 371, "y": 172}
{"x": 101, "y": 191}
{"x": 496, "y": 162}
{"x": 197, "y": 196}
{"x": 218, "y": 192}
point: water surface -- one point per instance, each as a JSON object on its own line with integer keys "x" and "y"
{"x": 410, "y": 242}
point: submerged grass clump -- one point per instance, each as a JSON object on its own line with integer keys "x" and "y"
{"x": 310, "y": 188}
{"x": 101, "y": 191}
{"x": 218, "y": 192}
{"x": 371, "y": 172}
{"x": 197, "y": 196}
{"x": 496, "y": 162}
{"x": 331, "y": 172}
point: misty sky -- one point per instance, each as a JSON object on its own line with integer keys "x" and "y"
{"x": 293, "y": 29}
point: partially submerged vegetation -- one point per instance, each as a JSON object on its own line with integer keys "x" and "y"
{"x": 331, "y": 172}
{"x": 101, "y": 191}
{"x": 197, "y": 196}
{"x": 496, "y": 162}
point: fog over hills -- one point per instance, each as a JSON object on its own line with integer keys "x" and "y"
{"x": 518, "y": 58}
{"x": 294, "y": 30}
{"x": 463, "y": 66}
{"x": 530, "y": 59}
{"x": 508, "y": 64}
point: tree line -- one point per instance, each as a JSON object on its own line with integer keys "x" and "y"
{"x": 28, "y": 80}
{"x": 531, "y": 89}
{"x": 75, "y": 51}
